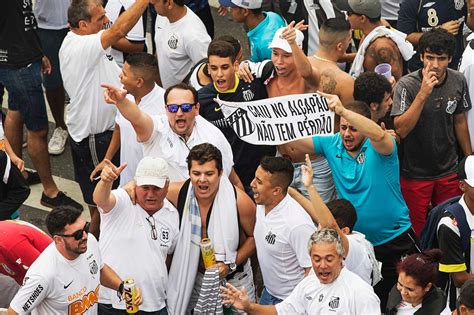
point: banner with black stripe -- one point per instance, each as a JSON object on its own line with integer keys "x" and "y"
{"x": 278, "y": 120}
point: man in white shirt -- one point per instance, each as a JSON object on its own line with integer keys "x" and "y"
{"x": 331, "y": 290}
{"x": 138, "y": 78}
{"x": 85, "y": 62}
{"x": 147, "y": 230}
{"x": 66, "y": 277}
{"x": 181, "y": 40}
{"x": 173, "y": 135}
{"x": 282, "y": 230}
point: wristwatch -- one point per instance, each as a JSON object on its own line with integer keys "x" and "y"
{"x": 232, "y": 268}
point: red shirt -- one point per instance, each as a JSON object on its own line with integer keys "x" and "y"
{"x": 20, "y": 244}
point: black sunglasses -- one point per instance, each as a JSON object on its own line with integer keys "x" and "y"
{"x": 349, "y": 13}
{"x": 186, "y": 107}
{"x": 79, "y": 233}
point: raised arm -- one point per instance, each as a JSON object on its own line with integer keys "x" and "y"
{"x": 381, "y": 141}
{"x": 304, "y": 67}
{"x": 123, "y": 24}
{"x": 141, "y": 122}
{"x": 103, "y": 196}
{"x": 405, "y": 123}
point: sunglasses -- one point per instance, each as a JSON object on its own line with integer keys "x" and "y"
{"x": 79, "y": 233}
{"x": 185, "y": 108}
{"x": 349, "y": 13}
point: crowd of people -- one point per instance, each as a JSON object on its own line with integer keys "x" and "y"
{"x": 313, "y": 225}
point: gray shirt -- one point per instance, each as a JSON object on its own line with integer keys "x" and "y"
{"x": 430, "y": 150}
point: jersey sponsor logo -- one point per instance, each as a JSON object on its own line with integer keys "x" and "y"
{"x": 403, "y": 100}
{"x": 87, "y": 301}
{"x": 173, "y": 42}
{"x": 217, "y": 109}
{"x": 321, "y": 297}
{"x": 24, "y": 280}
{"x": 93, "y": 268}
{"x": 270, "y": 238}
{"x": 334, "y": 302}
{"x": 428, "y": 5}
{"x": 452, "y": 104}
{"x": 361, "y": 158}
{"x": 66, "y": 286}
{"x": 36, "y": 293}
{"x": 109, "y": 57}
{"x": 165, "y": 235}
{"x": 77, "y": 294}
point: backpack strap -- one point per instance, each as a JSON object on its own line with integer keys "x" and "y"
{"x": 458, "y": 212}
{"x": 182, "y": 199}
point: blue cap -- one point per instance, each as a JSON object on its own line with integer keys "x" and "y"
{"x": 227, "y": 4}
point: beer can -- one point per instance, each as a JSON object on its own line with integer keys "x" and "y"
{"x": 207, "y": 252}
{"x": 130, "y": 294}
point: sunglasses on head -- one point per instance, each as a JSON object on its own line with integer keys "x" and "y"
{"x": 185, "y": 108}
{"x": 79, "y": 233}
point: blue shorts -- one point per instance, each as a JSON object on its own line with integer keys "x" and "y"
{"x": 51, "y": 41}
{"x": 25, "y": 94}
{"x": 322, "y": 180}
{"x": 85, "y": 157}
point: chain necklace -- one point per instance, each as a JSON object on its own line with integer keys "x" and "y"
{"x": 323, "y": 59}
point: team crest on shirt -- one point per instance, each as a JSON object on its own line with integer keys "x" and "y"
{"x": 248, "y": 95}
{"x": 334, "y": 302}
{"x": 270, "y": 238}
{"x": 361, "y": 158}
{"x": 452, "y": 104}
{"x": 458, "y": 4}
{"x": 173, "y": 42}
{"x": 93, "y": 268}
{"x": 165, "y": 235}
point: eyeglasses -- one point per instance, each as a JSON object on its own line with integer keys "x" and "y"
{"x": 79, "y": 233}
{"x": 349, "y": 13}
{"x": 185, "y": 107}
{"x": 154, "y": 234}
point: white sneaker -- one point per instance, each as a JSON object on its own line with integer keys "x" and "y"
{"x": 58, "y": 141}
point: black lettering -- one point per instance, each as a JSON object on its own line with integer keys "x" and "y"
{"x": 278, "y": 110}
{"x": 33, "y": 297}
{"x": 322, "y": 104}
{"x": 286, "y": 132}
{"x": 265, "y": 133}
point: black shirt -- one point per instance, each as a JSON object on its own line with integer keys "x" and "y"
{"x": 19, "y": 44}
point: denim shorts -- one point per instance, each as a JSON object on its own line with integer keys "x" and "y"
{"x": 322, "y": 180}
{"x": 85, "y": 157}
{"x": 25, "y": 94}
{"x": 51, "y": 41}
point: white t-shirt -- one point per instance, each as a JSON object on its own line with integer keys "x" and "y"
{"x": 113, "y": 9}
{"x": 84, "y": 66}
{"x": 179, "y": 46}
{"x": 51, "y": 15}
{"x": 348, "y": 294}
{"x": 467, "y": 68}
{"x": 166, "y": 144}
{"x": 131, "y": 151}
{"x": 357, "y": 259}
{"x": 128, "y": 248}
{"x": 282, "y": 238}
{"x": 405, "y": 308}
{"x": 55, "y": 285}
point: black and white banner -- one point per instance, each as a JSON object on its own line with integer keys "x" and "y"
{"x": 279, "y": 120}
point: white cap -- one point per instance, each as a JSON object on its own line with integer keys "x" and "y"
{"x": 248, "y": 4}
{"x": 152, "y": 171}
{"x": 466, "y": 170}
{"x": 279, "y": 42}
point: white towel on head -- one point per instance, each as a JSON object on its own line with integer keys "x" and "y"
{"x": 405, "y": 47}
{"x": 223, "y": 230}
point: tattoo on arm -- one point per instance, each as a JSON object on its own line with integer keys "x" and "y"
{"x": 328, "y": 81}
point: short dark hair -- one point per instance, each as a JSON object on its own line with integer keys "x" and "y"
{"x": 336, "y": 30}
{"x": 59, "y": 217}
{"x": 359, "y": 107}
{"x": 233, "y": 41}
{"x": 371, "y": 87}
{"x": 145, "y": 64}
{"x": 344, "y": 212}
{"x": 281, "y": 169}
{"x": 221, "y": 49}
{"x": 437, "y": 41}
{"x": 422, "y": 267}
{"x": 375, "y": 19}
{"x": 203, "y": 153}
{"x": 178, "y": 2}
{"x": 79, "y": 10}
{"x": 181, "y": 86}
